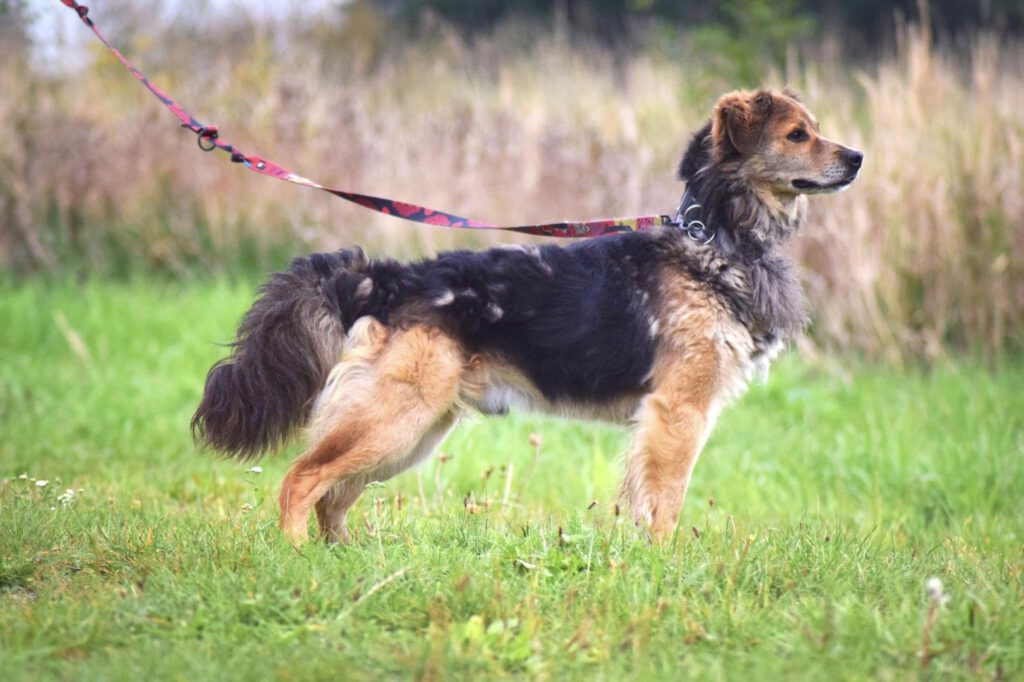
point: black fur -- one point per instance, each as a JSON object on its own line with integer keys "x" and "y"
{"x": 577, "y": 321}
{"x": 697, "y": 154}
{"x": 285, "y": 347}
{"x": 571, "y": 319}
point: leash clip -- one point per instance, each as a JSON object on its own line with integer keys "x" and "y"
{"x": 699, "y": 232}
{"x": 695, "y": 229}
{"x": 208, "y": 133}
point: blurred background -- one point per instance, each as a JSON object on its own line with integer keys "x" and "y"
{"x": 521, "y": 111}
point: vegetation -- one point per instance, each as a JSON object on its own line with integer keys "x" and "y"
{"x": 858, "y": 20}
{"x": 922, "y": 258}
{"x": 823, "y": 505}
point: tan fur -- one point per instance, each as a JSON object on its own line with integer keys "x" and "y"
{"x": 740, "y": 117}
{"x": 386, "y": 405}
{"x": 757, "y": 125}
{"x": 675, "y": 418}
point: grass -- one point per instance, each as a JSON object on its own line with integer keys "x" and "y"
{"x": 824, "y": 503}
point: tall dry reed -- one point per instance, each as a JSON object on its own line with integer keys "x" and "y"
{"x": 923, "y": 257}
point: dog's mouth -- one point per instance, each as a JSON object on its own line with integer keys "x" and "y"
{"x": 810, "y": 185}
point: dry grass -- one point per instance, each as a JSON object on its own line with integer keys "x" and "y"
{"x": 922, "y": 257}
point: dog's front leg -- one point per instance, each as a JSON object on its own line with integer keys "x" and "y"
{"x": 672, "y": 426}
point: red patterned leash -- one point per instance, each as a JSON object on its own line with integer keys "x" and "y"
{"x": 209, "y": 139}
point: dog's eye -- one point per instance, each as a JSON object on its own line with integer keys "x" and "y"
{"x": 798, "y": 135}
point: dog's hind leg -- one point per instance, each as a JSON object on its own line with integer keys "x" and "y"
{"x": 332, "y": 508}
{"x": 386, "y": 405}
{"x": 672, "y": 425}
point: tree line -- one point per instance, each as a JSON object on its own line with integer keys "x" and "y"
{"x": 860, "y": 22}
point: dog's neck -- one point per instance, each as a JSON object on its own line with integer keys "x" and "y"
{"x": 780, "y": 215}
{"x": 746, "y": 220}
{"x": 747, "y": 230}
{"x": 749, "y": 224}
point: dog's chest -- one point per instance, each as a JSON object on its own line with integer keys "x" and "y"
{"x": 694, "y": 320}
{"x": 742, "y": 358}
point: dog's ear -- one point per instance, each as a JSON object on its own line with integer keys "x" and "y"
{"x": 739, "y": 120}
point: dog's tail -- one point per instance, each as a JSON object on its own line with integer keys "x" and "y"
{"x": 286, "y": 346}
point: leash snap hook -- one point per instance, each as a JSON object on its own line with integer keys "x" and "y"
{"x": 699, "y": 232}
{"x": 208, "y": 133}
{"x": 695, "y": 229}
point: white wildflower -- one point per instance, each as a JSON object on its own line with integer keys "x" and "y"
{"x": 256, "y": 470}
{"x": 933, "y": 588}
{"x": 41, "y": 483}
{"x": 66, "y": 497}
{"x": 23, "y": 477}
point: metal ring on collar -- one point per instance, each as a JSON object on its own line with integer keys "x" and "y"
{"x": 689, "y": 208}
{"x": 698, "y": 232}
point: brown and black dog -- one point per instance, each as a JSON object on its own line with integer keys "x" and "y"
{"x": 657, "y": 329}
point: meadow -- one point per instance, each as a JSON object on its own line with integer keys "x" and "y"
{"x": 824, "y": 503}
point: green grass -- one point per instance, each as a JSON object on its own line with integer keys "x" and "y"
{"x": 835, "y": 497}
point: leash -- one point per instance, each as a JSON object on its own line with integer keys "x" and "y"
{"x": 209, "y": 139}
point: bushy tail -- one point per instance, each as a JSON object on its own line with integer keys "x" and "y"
{"x": 285, "y": 348}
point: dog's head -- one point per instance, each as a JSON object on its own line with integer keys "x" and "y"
{"x": 774, "y": 144}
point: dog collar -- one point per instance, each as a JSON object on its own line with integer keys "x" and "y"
{"x": 688, "y": 219}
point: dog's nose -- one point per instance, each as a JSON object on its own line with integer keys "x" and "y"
{"x": 853, "y": 157}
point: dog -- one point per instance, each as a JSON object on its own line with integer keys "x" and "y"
{"x": 658, "y": 329}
